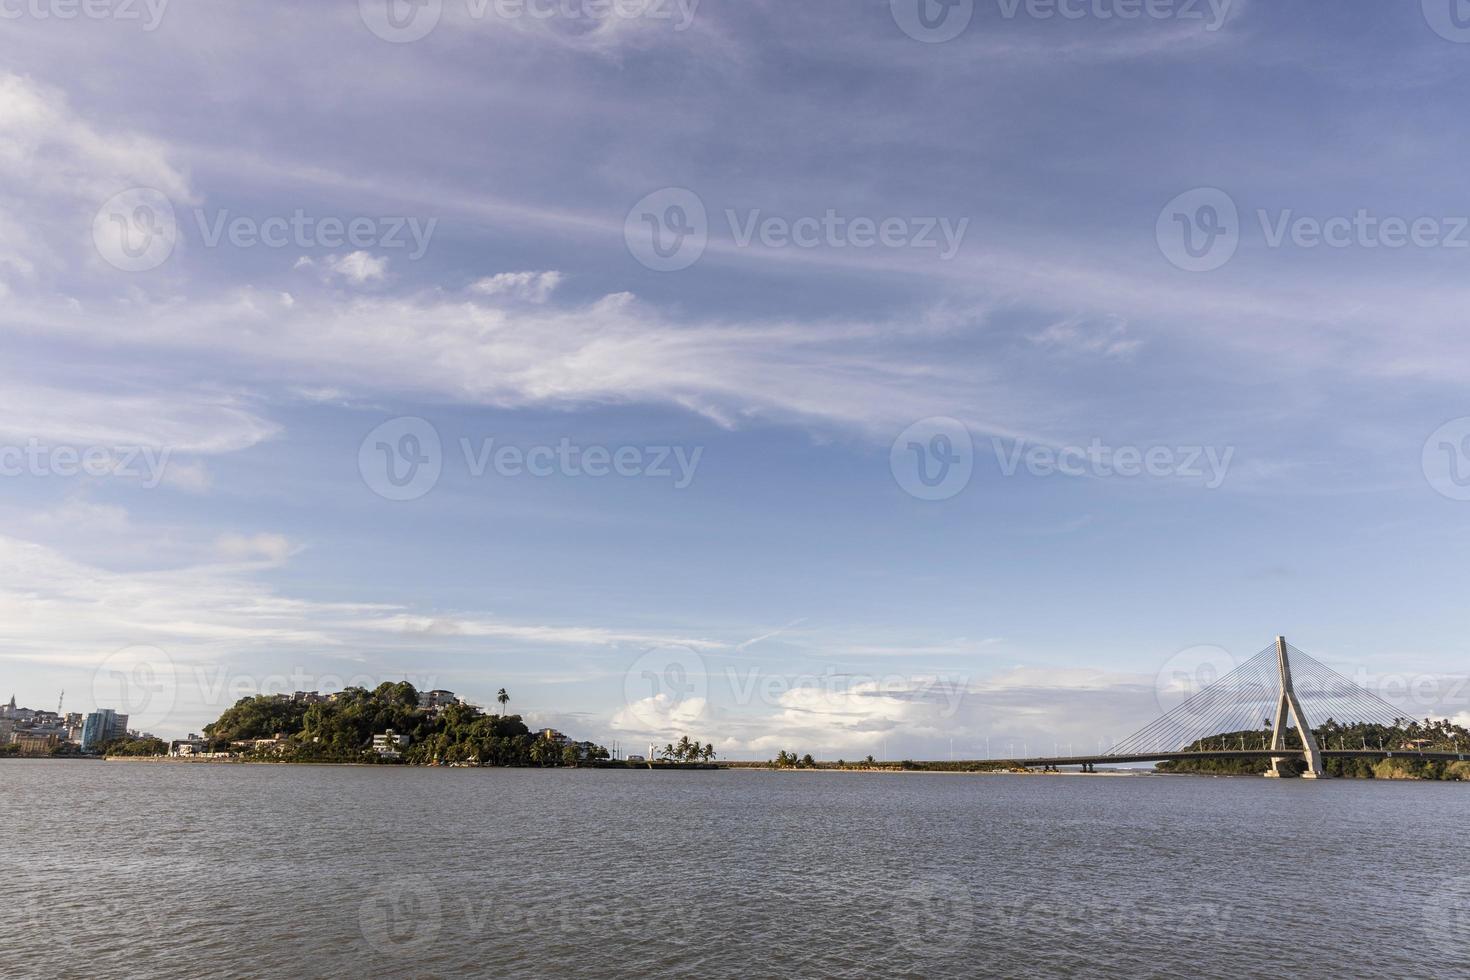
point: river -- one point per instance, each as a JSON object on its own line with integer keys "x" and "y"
{"x": 175, "y": 870}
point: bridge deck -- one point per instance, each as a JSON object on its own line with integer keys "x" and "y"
{"x": 1078, "y": 760}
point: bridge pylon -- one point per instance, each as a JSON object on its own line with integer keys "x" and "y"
{"x": 1287, "y": 703}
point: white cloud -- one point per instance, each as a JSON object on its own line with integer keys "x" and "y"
{"x": 357, "y": 267}
{"x": 1107, "y": 336}
{"x": 178, "y": 421}
{"x": 613, "y": 350}
{"x": 662, "y": 718}
{"x": 45, "y": 149}
{"x": 417, "y": 625}
{"x": 189, "y": 476}
{"x": 270, "y": 548}
{"x": 533, "y": 287}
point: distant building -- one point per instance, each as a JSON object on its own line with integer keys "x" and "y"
{"x": 261, "y": 744}
{"x": 36, "y": 742}
{"x": 635, "y": 757}
{"x": 21, "y": 716}
{"x": 101, "y": 726}
{"x": 185, "y": 747}
{"x": 389, "y": 744}
{"x": 552, "y": 735}
{"x": 436, "y": 701}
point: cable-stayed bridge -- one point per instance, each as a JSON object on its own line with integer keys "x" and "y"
{"x": 1280, "y": 698}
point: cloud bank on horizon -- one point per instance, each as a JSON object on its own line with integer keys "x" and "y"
{"x": 876, "y": 377}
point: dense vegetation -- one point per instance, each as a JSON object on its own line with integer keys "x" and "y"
{"x": 342, "y": 731}
{"x": 135, "y": 746}
{"x": 1435, "y": 736}
{"x": 687, "y": 751}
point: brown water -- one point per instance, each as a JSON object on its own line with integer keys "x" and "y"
{"x": 144, "y": 870}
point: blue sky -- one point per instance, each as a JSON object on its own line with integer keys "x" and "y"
{"x": 888, "y": 238}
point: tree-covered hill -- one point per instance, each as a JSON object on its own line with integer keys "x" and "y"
{"x": 1405, "y": 736}
{"x": 342, "y": 730}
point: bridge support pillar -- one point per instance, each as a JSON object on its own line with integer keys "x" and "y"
{"x": 1287, "y": 704}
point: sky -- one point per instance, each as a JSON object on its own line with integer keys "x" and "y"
{"x": 914, "y": 378}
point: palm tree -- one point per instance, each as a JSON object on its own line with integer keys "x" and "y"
{"x": 504, "y": 699}
{"x": 683, "y": 748}
{"x": 709, "y": 751}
